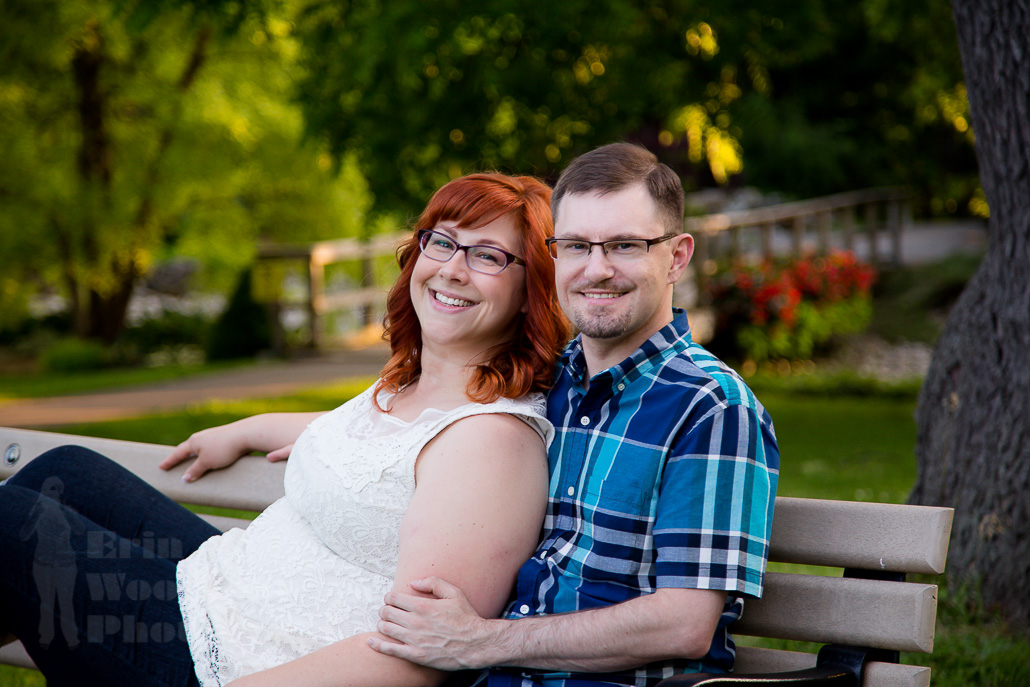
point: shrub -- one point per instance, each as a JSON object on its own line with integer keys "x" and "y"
{"x": 169, "y": 329}
{"x": 790, "y": 309}
{"x": 75, "y": 355}
{"x": 242, "y": 330}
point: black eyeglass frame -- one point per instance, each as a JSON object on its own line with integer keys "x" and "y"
{"x": 552, "y": 242}
{"x": 422, "y": 237}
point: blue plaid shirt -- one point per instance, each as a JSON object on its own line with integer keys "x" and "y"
{"x": 662, "y": 474}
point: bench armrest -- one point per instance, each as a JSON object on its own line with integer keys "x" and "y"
{"x": 829, "y": 675}
{"x": 838, "y": 666}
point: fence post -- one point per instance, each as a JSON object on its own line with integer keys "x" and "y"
{"x": 848, "y": 220}
{"x": 894, "y": 226}
{"x": 316, "y": 294}
{"x": 767, "y": 229}
{"x": 823, "y": 220}
{"x": 798, "y": 235}
{"x": 701, "y": 257}
{"x": 870, "y": 227}
{"x": 367, "y": 278}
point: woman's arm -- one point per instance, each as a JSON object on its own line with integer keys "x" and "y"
{"x": 475, "y": 518}
{"x": 220, "y": 447}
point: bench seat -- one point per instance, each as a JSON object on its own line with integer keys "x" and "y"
{"x": 835, "y": 577}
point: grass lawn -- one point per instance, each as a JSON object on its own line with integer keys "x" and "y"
{"x": 849, "y": 448}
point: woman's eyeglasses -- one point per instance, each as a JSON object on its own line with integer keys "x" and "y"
{"x": 484, "y": 259}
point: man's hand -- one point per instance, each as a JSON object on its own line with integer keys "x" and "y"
{"x": 442, "y": 631}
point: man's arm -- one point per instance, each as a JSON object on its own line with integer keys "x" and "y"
{"x": 673, "y": 622}
{"x": 445, "y": 632}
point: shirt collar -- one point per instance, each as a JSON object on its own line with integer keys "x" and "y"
{"x": 663, "y": 344}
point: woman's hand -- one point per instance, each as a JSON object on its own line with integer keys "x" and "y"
{"x": 220, "y": 447}
{"x": 214, "y": 448}
{"x": 279, "y": 454}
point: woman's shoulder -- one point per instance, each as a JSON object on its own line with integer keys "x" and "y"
{"x": 532, "y": 403}
{"x": 498, "y": 415}
{"x": 496, "y": 439}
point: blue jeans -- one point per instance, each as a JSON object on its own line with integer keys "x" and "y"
{"x": 87, "y": 581}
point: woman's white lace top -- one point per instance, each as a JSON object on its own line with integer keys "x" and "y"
{"x": 313, "y": 568}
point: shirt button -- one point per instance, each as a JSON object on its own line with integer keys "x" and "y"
{"x": 572, "y": 490}
{"x": 524, "y": 609}
{"x": 584, "y": 421}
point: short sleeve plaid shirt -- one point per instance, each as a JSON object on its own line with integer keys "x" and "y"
{"x": 662, "y": 474}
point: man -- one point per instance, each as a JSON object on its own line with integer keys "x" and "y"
{"x": 662, "y": 474}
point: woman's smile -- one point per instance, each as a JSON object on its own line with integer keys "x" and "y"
{"x": 451, "y": 300}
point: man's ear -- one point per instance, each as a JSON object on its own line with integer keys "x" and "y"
{"x": 682, "y": 251}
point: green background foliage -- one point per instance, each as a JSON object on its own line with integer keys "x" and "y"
{"x": 134, "y": 132}
{"x": 131, "y": 138}
{"x": 805, "y": 98}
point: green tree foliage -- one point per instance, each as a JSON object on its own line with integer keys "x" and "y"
{"x": 131, "y": 135}
{"x": 879, "y": 100}
{"x": 804, "y": 97}
{"x": 427, "y": 91}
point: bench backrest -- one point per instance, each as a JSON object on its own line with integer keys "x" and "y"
{"x": 806, "y": 605}
{"x": 868, "y": 540}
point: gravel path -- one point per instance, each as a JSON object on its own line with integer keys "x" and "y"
{"x": 271, "y": 378}
{"x": 871, "y": 356}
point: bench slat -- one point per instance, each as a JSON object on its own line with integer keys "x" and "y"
{"x": 749, "y": 660}
{"x": 873, "y": 536}
{"x": 14, "y": 654}
{"x": 253, "y": 483}
{"x": 875, "y": 613}
{"x": 876, "y": 674}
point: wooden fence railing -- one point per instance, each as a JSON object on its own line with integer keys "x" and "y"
{"x": 815, "y": 225}
{"x": 313, "y": 259}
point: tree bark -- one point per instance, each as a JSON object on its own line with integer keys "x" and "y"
{"x": 973, "y": 447}
{"x": 93, "y": 312}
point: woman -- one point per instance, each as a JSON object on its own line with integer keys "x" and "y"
{"x": 439, "y": 468}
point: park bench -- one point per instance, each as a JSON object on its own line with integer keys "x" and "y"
{"x": 862, "y": 617}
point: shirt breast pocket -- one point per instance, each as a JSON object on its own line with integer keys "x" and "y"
{"x": 627, "y": 476}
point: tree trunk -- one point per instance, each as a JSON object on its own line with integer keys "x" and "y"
{"x": 973, "y": 448}
{"x": 101, "y": 314}
{"x": 107, "y": 311}
{"x": 94, "y": 166}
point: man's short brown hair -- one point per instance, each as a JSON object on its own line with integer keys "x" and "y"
{"x": 615, "y": 166}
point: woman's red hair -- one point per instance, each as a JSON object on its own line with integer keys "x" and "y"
{"x": 526, "y": 362}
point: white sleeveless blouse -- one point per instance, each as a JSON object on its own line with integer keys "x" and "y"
{"x": 312, "y": 569}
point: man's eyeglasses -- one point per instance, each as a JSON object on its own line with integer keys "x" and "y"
{"x": 619, "y": 249}
{"x": 484, "y": 259}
